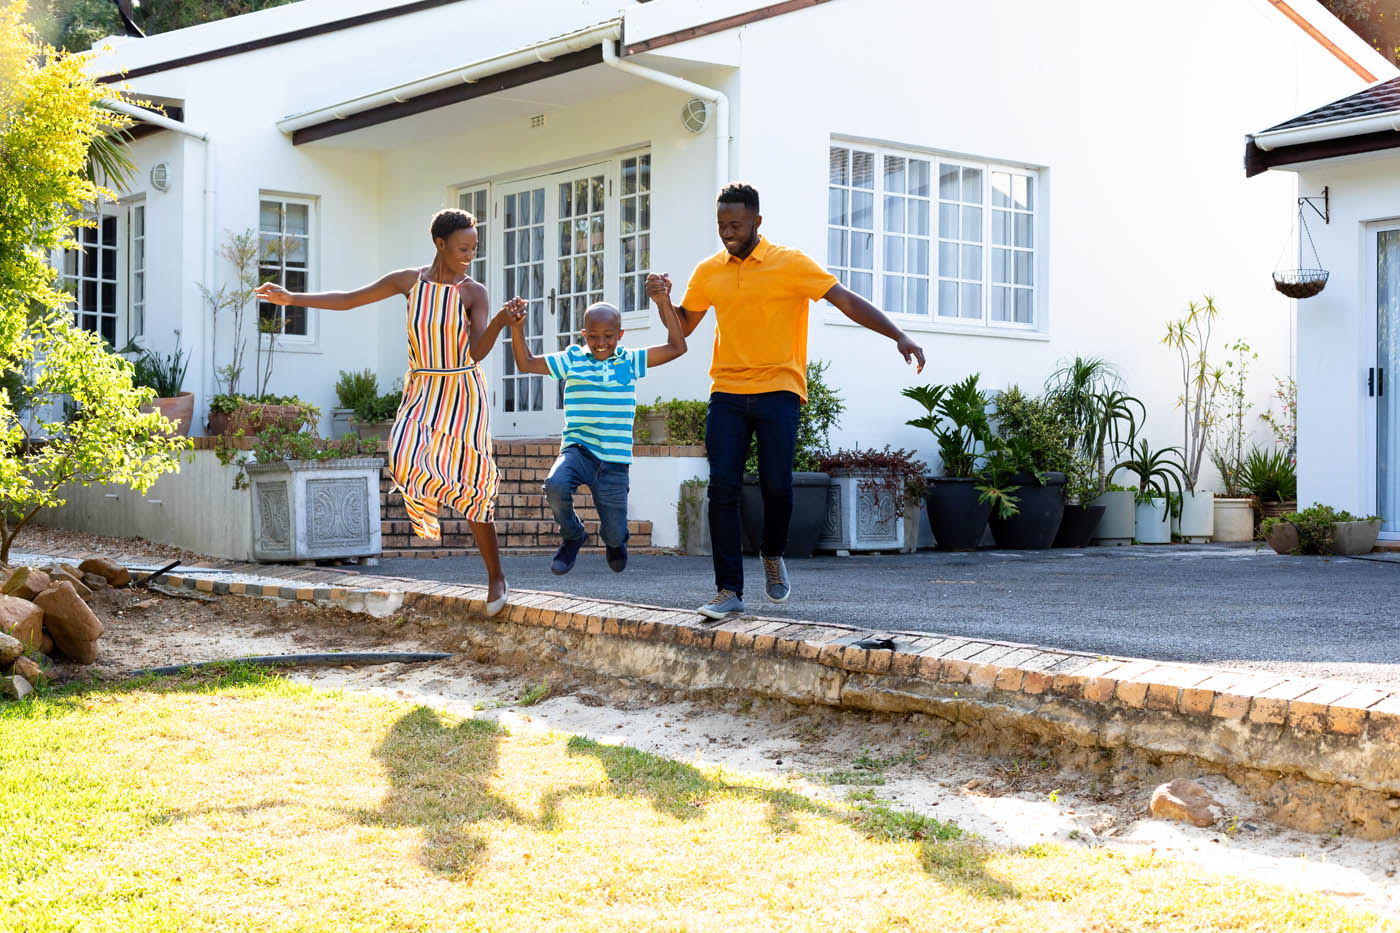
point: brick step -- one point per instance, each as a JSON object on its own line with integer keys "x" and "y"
{"x": 429, "y": 553}
{"x": 516, "y": 535}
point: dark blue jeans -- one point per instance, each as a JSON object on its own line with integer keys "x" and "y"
{"x": 733, "y": 419}
{"x": 578, "y": 466}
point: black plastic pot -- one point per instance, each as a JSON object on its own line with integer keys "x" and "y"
{"x": 808, "y": 513}
{"x": 1041, "y": 508}
{"x": 1078, "y": 525}
{"x": 955, "y": 517}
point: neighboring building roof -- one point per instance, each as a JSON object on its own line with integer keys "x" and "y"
{"x": 1366, "y": 121}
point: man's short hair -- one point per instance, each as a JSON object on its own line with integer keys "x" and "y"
{"x": 449, "y": 221}
{"x": 736, "y": 192}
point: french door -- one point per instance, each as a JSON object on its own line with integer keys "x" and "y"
{"x": 1381, "y": 385}
{"x": 552, "y": 251}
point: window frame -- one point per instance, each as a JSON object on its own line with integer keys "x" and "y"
{"x": 310, "y": 341}
{"x": 133, "y": 270}
{"x": 931, "y": 320}
{"x": 58, "y": 259}
{"x": 467, "y": 197}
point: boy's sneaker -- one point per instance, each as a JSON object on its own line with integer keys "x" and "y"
{"x": 617, "y": 558}
{"x": 775, "y": 582}
{"x": 725, "y": 602}
{"x": 564, "y": 558}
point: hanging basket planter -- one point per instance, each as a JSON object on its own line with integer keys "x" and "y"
{"x": 1300, "y": 283}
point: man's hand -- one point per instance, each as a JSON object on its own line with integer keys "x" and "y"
{"x": 658, "y": 286}
{"x": 273, "y": 293}
{"x": 909, "y": 348}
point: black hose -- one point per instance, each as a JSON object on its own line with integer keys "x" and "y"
{"x": 303, "y": 660}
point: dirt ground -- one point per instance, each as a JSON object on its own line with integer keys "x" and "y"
{"x": 1009, "y": 797}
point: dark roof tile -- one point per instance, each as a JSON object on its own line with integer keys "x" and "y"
{"x": 1378, "y": 98}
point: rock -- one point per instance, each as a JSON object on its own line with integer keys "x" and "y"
{"x": 15, "y": 687}
{"x": 21, "y": 619}
{"x": 114, "y": 573}
{"x": 30, "y": 671}
{"x": 46, "y": 644}
{"x": 10, "y": 648}
{"x": 77, "y": 581}
{"x": 95, "y": 580}
{"x": 1186, "y": 801}
{"x": 68, "y": 619}
{"x": 26, "y": 582}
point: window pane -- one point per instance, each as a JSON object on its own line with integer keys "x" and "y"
{"x": 89, "y": 299}
{"x": 629, "y": 176}
{"x": 644, "y": 212}
{"x": 894, "y": 214}
{"x": 644, "y": 252}
{"x": 537, "y": 242}
{"x": 595, "y": 271}
{"x": 595, "y": 242}
{"x": 629, "y": 215}
{"x": 918, "y": 217}
{"x": 918, "y": 177}
{"x": 948, "y": 186}
{"x": 139, "y": 220}
{"x": 837, "y": 245}
{"x": 947, "y": 258}
{"x": 972, "y": 185}
{"x": 840, "y": 166}
{"x": 296, "y": 280}
{"x": 595, "y": 188}
{"x": 510, "y": 249}
{"x": 270, "y": 216}
{"x": 947, "y": 299}
{"x": 566, "y": 238}
{"x": 863, "y": 284}
{"x": 1024, "y": 234}
{"x": 894, "y": 254}
{"x": 1001, "y": 304}
{"x": 109, "y": 264}
{"x": 581, "y": 196}
{"x": 644, "y": 173}
{"x": 138, "y": 254}
{"x": 893, "y": 294}
{"x": 109, "y": 297}
{"x": 916, "y": 296}
{"x": 948, "y": 220}
{"x": 539, "y": 205}
{"x": 1025, "y": 306}
{"x": 971, "y": 266}
{"x": 1023, "y": 268}
{"x": 970, "y": 301}
{"x": 109, "y": 330}
{"x": 838, "y": 202}
{"x": 510, "y": 211}
{"x": 972, "y": 224}
{"x": 863, "y": 169}
{"x": 862, "y": 250}
{"x": 863, "y": 210}
{"x": 90, "y": 262}
{"x": 70, "y": 262}
{"x": 1021, "y": 192}
{"x": 1001, "y": 228}
{"x": 894, "y": 175}
{"x": 918, "y": 256}
{"x": 297, "y": 219}
{"x": 1001, "y": 189}
{"x": 1001, "y": 265}
{"x": 629, "y": 297}
{"x": 629, "y": 255}
{"x": 294, "y": 321}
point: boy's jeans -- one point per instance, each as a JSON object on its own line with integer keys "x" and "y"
{"x": 577, "y": 466}
{"x": 732, "y": 420}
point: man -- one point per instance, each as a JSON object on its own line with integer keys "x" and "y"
{"x": 761, "y": 294}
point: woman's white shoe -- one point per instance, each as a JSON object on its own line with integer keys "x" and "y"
{"x": 496, "y": 605}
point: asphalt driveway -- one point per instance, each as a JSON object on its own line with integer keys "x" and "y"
{"x": 1213, "y": 603}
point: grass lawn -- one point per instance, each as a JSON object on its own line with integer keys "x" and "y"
{"x": 242, "y": 801}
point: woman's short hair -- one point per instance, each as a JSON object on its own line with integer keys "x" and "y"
{"x": 449, "y": 221}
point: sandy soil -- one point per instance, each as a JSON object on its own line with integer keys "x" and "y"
{"x": 1008, "y": 801}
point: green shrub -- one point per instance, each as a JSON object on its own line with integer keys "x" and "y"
{"x": 1314, "y": 524}
{"x": 351, "y": 389}
{"x": 1270, "y": 475}
{"x": 378, "y": 408}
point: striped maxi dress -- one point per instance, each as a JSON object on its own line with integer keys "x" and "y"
{"x": 440, "y": 448}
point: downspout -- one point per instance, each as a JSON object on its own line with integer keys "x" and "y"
{"x": 207, "y": 245}
{"x": 710, "y": 94}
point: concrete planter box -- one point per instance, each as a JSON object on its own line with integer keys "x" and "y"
{"x": 1350, "y": 538}
{"x": 315, "y": 509}
{"x": 862, "y": 513}
{"x": 1196, "y": 523}
{"x": 1119, "y": 522}
{"x": 693, "y": 519}
{"x": 1234, "y": 520}
{"x": 1153, "y": 526}
{"x": 342, "y": 421}
{"x": 373, "y": 430}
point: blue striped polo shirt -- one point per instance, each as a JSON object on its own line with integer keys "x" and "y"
{"x": 600, "y": 399}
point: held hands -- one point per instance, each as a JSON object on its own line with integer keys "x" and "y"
{"x": 659, "y": 287}
{"x": 513, "y": 312}
{"x": 273, "y": 293}
{"x": 908, "y": 349}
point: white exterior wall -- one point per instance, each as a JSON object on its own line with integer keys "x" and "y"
{"x": 1133, "y": 118}
{"x": 1337, "y": 337}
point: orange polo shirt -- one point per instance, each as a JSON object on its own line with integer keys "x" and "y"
{"x": 761, "y": 305}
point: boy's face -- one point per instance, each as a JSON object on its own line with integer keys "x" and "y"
{"x": 601, "y": 336}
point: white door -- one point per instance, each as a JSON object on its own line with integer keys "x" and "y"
{"x": 552, "y": 251}
{"x": 1384, "y": 369}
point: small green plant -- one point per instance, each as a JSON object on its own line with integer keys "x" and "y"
{"x": 278, "y": 443}
{"x": 378, "y": 408}
{"x": 353, "y": 388}
{"x": 1316, "y": 533}
{"x": 1159, "y": 473}
{"x": 530, "y": 694}
{"x": 1270, "y": 475}
{"x": 165, "y": 375}
{"x": 883, "y": 822}
{"x": 956, "y": 415}
{"x": 1055, "y": 795}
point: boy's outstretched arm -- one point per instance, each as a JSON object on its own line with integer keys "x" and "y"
{"x": 525, "y": 361}
{"x": 659, "y": 290}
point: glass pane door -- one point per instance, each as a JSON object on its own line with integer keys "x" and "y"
{"x": 582, "y": 239}
{"x": 522, "y": 404}
{"x": 1387, "y": 370}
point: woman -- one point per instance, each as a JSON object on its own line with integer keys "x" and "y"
{"x": 440, "y": 449}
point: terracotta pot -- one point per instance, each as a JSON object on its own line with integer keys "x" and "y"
{"x": 179, "y": 409}
{"x": 1283, "y": 538}
{"x": 254, "y": 418}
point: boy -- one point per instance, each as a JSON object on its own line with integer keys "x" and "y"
{"x": 600, "y": 400}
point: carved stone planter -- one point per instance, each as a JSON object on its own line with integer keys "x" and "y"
{"x": 315, "y": 509}
{"x": 865, "y": 512}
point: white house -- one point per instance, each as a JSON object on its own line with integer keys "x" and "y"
{"x": 1015, "y": 182}
{"x": 1346, "y": 156}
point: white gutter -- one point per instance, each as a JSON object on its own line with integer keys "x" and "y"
{"x": 710, "y": 94}
{"x": 207, "y": 246}
{"x": 601, "y": 33}
{"x": 1318, "y": 132}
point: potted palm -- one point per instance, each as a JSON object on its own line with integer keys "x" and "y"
{"x": 165, "y": 375}
{"x": 1159, "y": 477}
{"x": 866, "y": 502}
{"x": 960, "y": 498}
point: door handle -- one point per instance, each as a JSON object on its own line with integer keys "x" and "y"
{"x": 1371, "y": 382}
{"x": 551, "y": 302}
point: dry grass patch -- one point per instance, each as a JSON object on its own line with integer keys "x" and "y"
{"x": 245, "y": 802}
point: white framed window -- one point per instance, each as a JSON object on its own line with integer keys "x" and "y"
{"x": 136, "y": 270}
{"x": 284, "y": 236}
{"x": 474, "y": 201}
{"x": 933, "y": 237}
{"x": 89, "y": 275}
{"x": 634, "y": 232}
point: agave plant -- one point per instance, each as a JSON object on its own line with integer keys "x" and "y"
{"x": 1159, "y": 473}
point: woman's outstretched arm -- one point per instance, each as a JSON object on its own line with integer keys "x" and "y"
{"x": 395, "y": 283}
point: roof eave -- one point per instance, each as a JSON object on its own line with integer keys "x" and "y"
{"x": 1258, "y": 159}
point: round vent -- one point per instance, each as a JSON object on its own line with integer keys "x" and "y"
{"x": 695, "y": 114}
{"x": 160, "y": 176}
